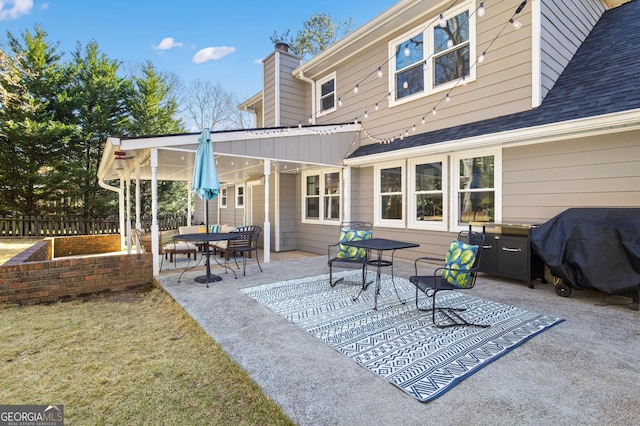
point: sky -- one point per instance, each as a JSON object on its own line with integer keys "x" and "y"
{"x": 220, "y": 41}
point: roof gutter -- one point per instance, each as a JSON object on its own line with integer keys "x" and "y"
{"x": 583, "y": 127}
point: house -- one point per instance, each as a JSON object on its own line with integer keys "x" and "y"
{"x": 431, "y": 115}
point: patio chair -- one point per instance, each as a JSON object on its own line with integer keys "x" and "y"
{"x": 143, "y": 240}
{"x": 245, "y": 245}
{"x": 339, "y": 253}
{"x": 458, "y": 273}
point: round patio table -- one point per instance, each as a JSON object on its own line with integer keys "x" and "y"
{"x": 205, "y": 238}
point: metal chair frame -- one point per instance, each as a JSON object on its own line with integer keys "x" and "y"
{"x": 431, "y": 284}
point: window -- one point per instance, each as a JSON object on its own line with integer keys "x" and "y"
{"x": 223, "y": 198}
{"x": 433, "y": 59}
{"x": 428, "y": 193}
{"x": 477, "y": 180}
{"x": 321, "y": 196}
{"x": 389, "y": 201}
{"x": 327, "y": 94}
{"x": 240, "y": 196}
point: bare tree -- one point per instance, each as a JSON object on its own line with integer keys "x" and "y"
{"x": 210, "y": 106}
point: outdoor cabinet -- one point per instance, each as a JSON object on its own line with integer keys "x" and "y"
{"x": 507, "y": 252}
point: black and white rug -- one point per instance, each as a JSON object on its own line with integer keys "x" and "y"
{"x": 398, "y": 342}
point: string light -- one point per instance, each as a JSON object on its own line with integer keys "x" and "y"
{"x": 339, "y": 102}
{"x": 480, "y": 12}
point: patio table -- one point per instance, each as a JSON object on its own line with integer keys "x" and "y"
{"x": 380, "y": 245}
{"x": 205, "y": 238}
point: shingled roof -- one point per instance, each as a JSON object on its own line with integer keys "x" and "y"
{"x": 601, "y": 78}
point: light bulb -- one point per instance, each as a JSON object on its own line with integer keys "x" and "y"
{"x": 407, "y": 52}
{"x": 464, "y": 81}
{"x": 424, "y": 65}
{"x": 339, "y": 102}
{"x": 447, "y": 98}
{"x": 481, "y": 9}
{"x": 424, "y": 119}
{"x": 481, "y": 57}
{"x": 449, "y": 43}
{"x": 366, "y": 114}
{"x": 433, "y": 111}
{"x": 413, "y": 129}
{"x": 515, "y": 24}
{"x": 355, "y": 89}
{"x": 389, "y": 97}
{"x": 405, "y": 85}
{"x": 377, "y": 107}
{"x": 443, "y": 23}
{"x": 379, "y": 72}
{"x": 406, "y": 133}
{"x": 310, "y": 120}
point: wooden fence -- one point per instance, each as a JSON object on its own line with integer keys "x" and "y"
{"x": 41, "y": 227}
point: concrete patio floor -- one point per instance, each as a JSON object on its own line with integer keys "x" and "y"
{"x": 584, "y": 371}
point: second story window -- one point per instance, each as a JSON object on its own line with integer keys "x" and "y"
{"x": 432, "y": 59}
{"x": 327, "y": 94}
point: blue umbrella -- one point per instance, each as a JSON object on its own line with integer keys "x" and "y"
{"x": 205, "y": 176}
{"x": 206, "y": 186}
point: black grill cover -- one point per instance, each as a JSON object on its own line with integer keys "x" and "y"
{"x": 592, "y": 248}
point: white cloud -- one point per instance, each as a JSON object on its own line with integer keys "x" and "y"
{"x": 12, "y": 9}
{"x": 167, "y": 43}
{"x": 212, "y": 54}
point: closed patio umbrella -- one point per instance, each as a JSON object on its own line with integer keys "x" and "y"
{"x": 206, "y": 186}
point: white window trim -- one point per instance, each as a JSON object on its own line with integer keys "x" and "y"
{"x": 319, "y": 84}
{"x": 225, "y": 197}
{"x": 377, "y": 218}
{"x": 244, "y": 196}
{"x": 411, "y": 190}
{"x": 454, "y": 184}
{"x": 321, "y": 173}
{"x": 428, "y": 54}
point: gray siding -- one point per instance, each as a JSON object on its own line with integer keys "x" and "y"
{"x": 564, "y": 26}
{"x": 269, "y": 91}
{"x": 502, "y": 86}
{"x": 292, "y": 92}
{"x": 540, "y": 181}
{"x": 288, "y": 218}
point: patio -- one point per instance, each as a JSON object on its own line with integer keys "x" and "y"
{"x": 582, "y": 371}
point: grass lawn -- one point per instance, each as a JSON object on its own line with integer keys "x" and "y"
{"x": 10, "y": 247}
{"x": 125, "y": 358}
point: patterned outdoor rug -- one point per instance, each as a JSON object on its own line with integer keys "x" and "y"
{"x": 398, "y": 342}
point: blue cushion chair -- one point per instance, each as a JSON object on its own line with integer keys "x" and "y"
{"x": 340, "y": 253}
{"x": 457, "y": 273}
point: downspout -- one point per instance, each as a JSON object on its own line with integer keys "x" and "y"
{"x": 312, "y": 82}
